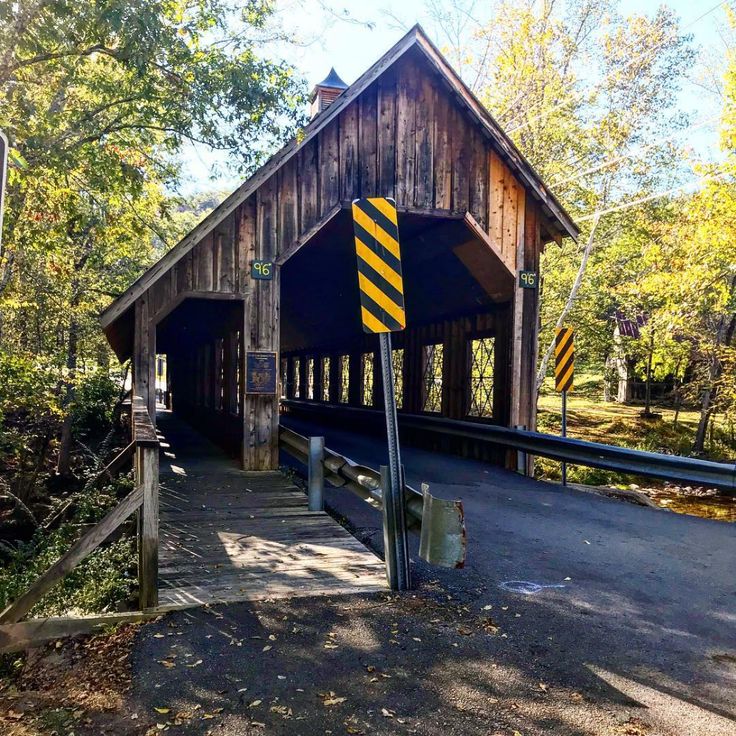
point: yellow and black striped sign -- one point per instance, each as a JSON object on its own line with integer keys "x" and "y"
{"x": 564, "y": 358}
{"x": 379, "y": 265}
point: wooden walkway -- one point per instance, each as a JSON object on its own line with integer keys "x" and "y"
{"x": 227, "y": 535}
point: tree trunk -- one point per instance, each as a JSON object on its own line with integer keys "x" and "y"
{"x": 707, "y": 407}
{"x": 63, "y": 466}
{"x": 570, "y": 301}
{"x": 648, "y": 385}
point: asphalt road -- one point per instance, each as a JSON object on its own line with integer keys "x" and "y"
{"x": 641, "y": 608}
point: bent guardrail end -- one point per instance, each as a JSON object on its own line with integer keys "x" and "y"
{"x": 443, "y": 540}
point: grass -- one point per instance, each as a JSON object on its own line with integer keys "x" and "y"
{"x": 591, "y": 418}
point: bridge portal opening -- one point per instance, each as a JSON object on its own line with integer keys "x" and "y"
{"x": 452, "y": 360}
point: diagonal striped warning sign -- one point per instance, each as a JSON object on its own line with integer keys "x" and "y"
{"x": 379, "y": 264}
{"x": 564, "y": 358}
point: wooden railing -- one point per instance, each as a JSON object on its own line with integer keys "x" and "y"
{"x": 144, "y": 496}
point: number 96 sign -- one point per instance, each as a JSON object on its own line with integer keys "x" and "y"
{"x": 262, "y": 270}
{"x": 528, "y": 279}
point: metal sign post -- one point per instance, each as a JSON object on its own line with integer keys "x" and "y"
{"x": 395, "y": 542}
{"x": 382, "y": 311}
{"x": 564, "y": 434}
{"x": 564, "y": 375}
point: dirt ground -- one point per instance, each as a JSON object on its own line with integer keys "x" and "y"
{"x": 76, "y": 686}
{"x": 420, "y": 663}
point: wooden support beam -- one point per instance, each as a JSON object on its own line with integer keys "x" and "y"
{"x": 519, "y": 319}
{"x": 144, "y": 369}
{"x": 115, "y": 465}
{"x": 261, "y": 330}
{"x": 147, "y": 472}
{"x": 27, "y": 634}
{"x": 79, "y": 551}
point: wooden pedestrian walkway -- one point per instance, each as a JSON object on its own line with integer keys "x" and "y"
{"x": 227, "y": 535}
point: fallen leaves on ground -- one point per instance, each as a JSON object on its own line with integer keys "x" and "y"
{"x": 329, "y": 699}
{"x": 77, "y": 681}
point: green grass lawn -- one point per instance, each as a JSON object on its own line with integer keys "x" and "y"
{"x": 589, "y": 417}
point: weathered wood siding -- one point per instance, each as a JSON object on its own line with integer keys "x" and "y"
{"x": 404, "y": 137}
{"x": 407, "y": 137}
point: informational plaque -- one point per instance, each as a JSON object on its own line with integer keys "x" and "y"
{"x": 260, "y": 373}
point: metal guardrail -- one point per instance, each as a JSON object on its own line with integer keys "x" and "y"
{"x": 439, "y": 522}
{"x": 577, "y": 452}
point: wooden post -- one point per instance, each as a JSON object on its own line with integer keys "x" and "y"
{"x": 316, "y": 473}
{"x": 147, "y": 471}
{"x": 261, "y": 328}
{"x": 518, "y": 413}
{"x": 144, "y": 357}
{"x": 524, "y": 332}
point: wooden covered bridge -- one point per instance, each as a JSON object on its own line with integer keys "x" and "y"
{"x": 257, "y": 308}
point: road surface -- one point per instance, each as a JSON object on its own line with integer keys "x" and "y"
{"x": 636, "y": 604}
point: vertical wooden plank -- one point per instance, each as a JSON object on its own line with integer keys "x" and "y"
{"x": 217, "y": 238}
{"x": 386, "y": 139}
{"x": 405, "y": 136}
{"x": 288, "y": 230}
{"x": 461, "y": 161}
{"x": 424, "y": 115}
{"x": 367, "y": 142}
{"x": 519, "y": 373}
{"x": 232, "y": 372}
{"x": 479, "y": 172}
{"x": 349, "y": 187}
{"x": 245, "y": 242}
{"x": 203, "y": 261}
{"x": 442, "y": 152}
{"x": 226, "y": 281}
{"x": 329, "y": 167}
{"x": 530, "y": 228}
{"x": 335, "y": 378}
{"x": 144, "y": 354}
{"x": 510, "y": 216}
{"x": 495, "y": 219}
{"x": 355, "y": 387}
{"x": 308, "y": 189}
{"x": 148, "y": 549}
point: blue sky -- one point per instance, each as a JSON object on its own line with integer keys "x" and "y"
{"x": 351, "y": 48}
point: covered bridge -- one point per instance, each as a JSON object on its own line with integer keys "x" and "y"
{"x": 473, "y": 214}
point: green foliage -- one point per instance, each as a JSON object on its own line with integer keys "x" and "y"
{"x": 27, "y": 387}
{"x": 93, "y": 403}
{"x": 104, "y": 579}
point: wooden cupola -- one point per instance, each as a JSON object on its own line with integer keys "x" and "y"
{"x": 326, "y": 92}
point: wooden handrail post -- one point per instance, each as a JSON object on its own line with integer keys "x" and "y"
{"x": 147, "y": 468}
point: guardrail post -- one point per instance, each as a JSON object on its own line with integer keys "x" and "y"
{"x": 316, "y": 473}
{"x": 521, "y": 462}
{"x": 147, "y": 474}
{"x": 395, "y": 543}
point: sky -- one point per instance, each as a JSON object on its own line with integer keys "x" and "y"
{"x": 345, "y": 42}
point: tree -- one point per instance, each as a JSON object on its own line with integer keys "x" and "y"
{"x": 586, "y": 95}
{"x": 97, "y": 99}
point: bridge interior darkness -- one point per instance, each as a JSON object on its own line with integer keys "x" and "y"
{"x": 451, "y": 361}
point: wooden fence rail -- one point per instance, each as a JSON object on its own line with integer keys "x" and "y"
{"x": 144, "y": 498}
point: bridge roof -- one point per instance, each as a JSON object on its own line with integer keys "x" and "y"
{"x": 416, "y": 38}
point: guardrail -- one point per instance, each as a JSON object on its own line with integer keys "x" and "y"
{"x": 577, "y": 452}
{"x": 440, "y": 523}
